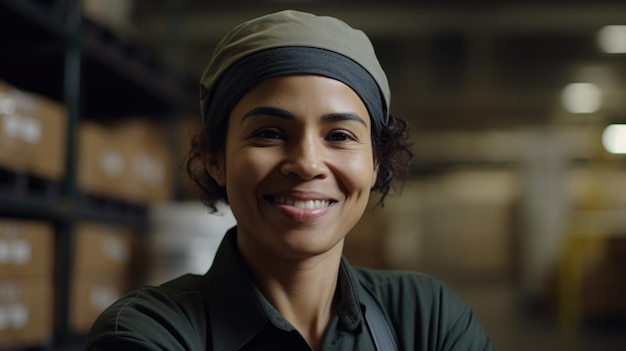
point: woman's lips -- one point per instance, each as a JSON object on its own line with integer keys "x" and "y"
{"x": 300, "y": 207}
{"x": 301, "y": 204}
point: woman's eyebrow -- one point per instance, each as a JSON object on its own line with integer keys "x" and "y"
{"x": 284, "y": 114}
{"x": 343, "y": 116}
{"x": 269, "y": 111}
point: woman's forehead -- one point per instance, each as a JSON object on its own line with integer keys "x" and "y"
{"x": 288, "y": 96}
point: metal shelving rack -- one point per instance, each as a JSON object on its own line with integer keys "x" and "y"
{"x": 48, "y": 47}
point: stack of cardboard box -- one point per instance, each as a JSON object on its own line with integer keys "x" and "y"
{"x": 33, "y": 132}
{"x": 126, "y": 160}
{"x": 26, "y": 291}
{"x": 129, "y": 161}
{"x": 101, "y": 271}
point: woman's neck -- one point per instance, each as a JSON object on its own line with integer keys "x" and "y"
{"x": 303, "y": 291}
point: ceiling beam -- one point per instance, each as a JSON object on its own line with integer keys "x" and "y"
{"x": 404, "y": 22}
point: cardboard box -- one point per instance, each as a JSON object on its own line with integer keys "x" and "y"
{"x": 146, "y": 149}
{"x": 32, "y": 133}
{"x": 150, "y": 173}
{"x": 102, "y": 167}
{"x": 19, "y": 130}
{"x": 26, "y": 312}
{"x": 90, "y": 295}
{"x": 100, "y": 248}
{"x": 101, "y": 271}
{"x": 26, "y": 248}
{"x": 114, "y": 14}
{"x": 49, "y": 158}
{"x": 128, "y": 161}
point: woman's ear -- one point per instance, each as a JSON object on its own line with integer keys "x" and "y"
{"x": 375, "y": 174}
{"x": 215, "y": 165}
{"x": 213, "y": 162}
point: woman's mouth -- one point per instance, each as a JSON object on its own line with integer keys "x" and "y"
{"x": 301, "y": 204}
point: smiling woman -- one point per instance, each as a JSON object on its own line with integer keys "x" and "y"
{"x": 298, "y": 174}
{"x": 296, "y": 135}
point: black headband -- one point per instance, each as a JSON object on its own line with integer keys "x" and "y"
{"x": 244, "y": 74}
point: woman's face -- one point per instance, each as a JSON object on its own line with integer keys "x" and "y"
{"x": 298, "y": 165}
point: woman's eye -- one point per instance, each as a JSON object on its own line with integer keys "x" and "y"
{"x": 340, "y": 136}
{"x": 269, "y": 134}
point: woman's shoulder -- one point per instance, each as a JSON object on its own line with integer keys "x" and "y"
{"x": 411, "y": 290}
{"x": 171, "y": 314}
{"x": 380, "y": 280}
{"x": 425, "y": 313}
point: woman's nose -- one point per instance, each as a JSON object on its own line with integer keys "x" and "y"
{"x": 305, "y": 159}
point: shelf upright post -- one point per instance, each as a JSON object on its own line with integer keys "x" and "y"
{"x": 175, "y": 58}
{"x": 72, "y": 96}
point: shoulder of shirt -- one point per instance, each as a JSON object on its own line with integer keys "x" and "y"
{"x": 188, "y": 283}
{"x": 377, "y": 279}
{"x": 421, "y": 304}
{"x": 140, "y": 315}
{"x": 426, "y": 314}
{"x": 409, "y": 288}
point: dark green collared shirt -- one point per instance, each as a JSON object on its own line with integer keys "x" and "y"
{"x": 225, "y": 310}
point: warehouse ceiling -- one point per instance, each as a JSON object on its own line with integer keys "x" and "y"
{"x": 451, "y": 64}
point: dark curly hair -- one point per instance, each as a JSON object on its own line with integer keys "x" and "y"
{"x": 391, "y": 146}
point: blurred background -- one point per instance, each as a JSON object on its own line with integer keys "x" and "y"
{"x": 516, "y": 199}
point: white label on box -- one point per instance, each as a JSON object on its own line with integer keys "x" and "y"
{"x": 147, "y": 169}
{"x": 31, "y": 130}
{"x": 25, "y": 102}
{"x": 11, "y": 125}
{"x": 101, "y": 298}
{"x": 18, "y": 315}
{"x": 111, "y": 164}
{"x": 8, "y": 106}
{"x": 27, "y": 129}
{"x": 114, "y": 249}
{"x": 22, "y": 251}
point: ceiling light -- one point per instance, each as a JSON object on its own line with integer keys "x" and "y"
{"x": 614, "y": 138}
{"x": 612, "y": 39}
{"x": 581, "y": 98}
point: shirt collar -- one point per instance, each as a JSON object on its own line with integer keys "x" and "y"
{"x": 350, "y": 309}
{"x": 238, "y": 309}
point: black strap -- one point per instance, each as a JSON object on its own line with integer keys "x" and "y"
{"x": 379, "y": 326}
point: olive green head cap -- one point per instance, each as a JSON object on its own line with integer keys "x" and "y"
{"x": 292, "y": 29}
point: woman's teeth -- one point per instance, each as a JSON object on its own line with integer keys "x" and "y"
{"x": 308, "y": 204}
